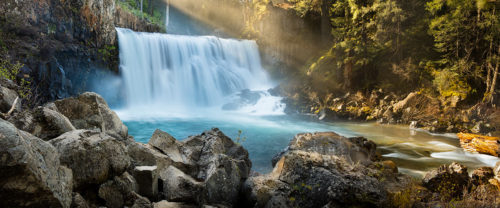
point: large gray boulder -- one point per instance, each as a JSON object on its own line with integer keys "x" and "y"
{"x": 179, "y": 186}
{"x": 324, "y": 169}
{"x": 93, "y": 156}
{"x": 90, "y": 111}
{"x": 30, "y": 172}
{"x": 42, "y": 122}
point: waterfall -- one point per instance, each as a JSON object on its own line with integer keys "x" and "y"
{"x": 186, "y": 72}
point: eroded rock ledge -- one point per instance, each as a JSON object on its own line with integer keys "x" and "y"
{"x": 76, "y": 152}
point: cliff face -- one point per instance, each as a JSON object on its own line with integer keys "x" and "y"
{"x": 63, "y": 43}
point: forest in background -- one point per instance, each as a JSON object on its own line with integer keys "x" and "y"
{"x": 445, "y": 48}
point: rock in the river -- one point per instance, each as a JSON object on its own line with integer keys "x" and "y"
{"x": 93, "y": 156}
{"x": 480, "y": 144}
{"x": 449, "y": 181}
{"x": 355, "y": 149}
{"x": 323, "y": 169}
{"x": 90, "y": 111}
{"x": 30, "y": 172}
{"x": 43, "y": 122}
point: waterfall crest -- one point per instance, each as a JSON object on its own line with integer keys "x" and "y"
{"x": 162, "y": 70}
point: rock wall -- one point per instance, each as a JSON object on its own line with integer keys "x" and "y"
{"x": 63, "y": 44}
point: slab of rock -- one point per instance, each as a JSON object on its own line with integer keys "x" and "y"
{"x": 447, "y": 178}
{"x": 147, "y": 181}
{"x": 90, "y": 111}
{"x": 30, "y": 172}
{"x": 167, "y": 144}
{"x": 480, "y": 144}
{"x": 178, "y": 186}
{"x": 94, "y": 157}
{"x": 42, "y": 122}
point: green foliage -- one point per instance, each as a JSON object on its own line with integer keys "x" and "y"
{"x": 10, "y": 71}
{"x": 155, "y": 17}
{"x": 108, "y": 52}
{"x": 240, "y": 139}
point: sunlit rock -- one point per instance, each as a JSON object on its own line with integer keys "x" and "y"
{"x": 480, "y": 144}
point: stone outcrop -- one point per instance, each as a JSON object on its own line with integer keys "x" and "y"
{"x": 93, "y": 156}
{"x": 210, "y": 166}
{"x": 30, "y": 171}
{"x": 324, "y": 169}
{"x": 480, "y": 144}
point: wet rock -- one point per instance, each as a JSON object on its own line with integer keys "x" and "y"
{"x": 482, "y": 175}
{"x": 30, "y": 172}
{"x": 43, "y": 122}
{"x": 147, "y": 181}
{"x": 116, "y": 192}
{"x": 449, "y": 181}
{"x": 90, "y": 111}
{"x": 178, "y": 186}
{"x": 480, "y": 144}
{"x": 94, "y": 157}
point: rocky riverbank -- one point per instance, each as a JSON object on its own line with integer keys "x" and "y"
{"x": 416, "y": 109}
{"x": 76, "y": 152}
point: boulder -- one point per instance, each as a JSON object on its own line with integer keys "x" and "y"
{"x": 117, "y": 191}
{"x": 447, "y": 180}
{"x": 355, "y": 149}
{"x": 90, "y": 111}
{"x": 7, "y": 99}
{"x": 30, "y": 171}
{"x": 178, "y": 186}
{"x": 93, "y": 156}
{"x": 43, "y": 122}
{"x": 323, "y": 169}
{"x": 482, "y": 175}
{"x": 480, "y": 144}
{"x": 147, "y": 181}
{"x": 222, "y": 165}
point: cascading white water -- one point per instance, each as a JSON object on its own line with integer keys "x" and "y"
{"x": 162, "y": 70}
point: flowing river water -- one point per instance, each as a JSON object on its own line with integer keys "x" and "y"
{"x": 187, "y": 84}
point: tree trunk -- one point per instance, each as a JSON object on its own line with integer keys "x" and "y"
{"x": 494, "y": 80}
